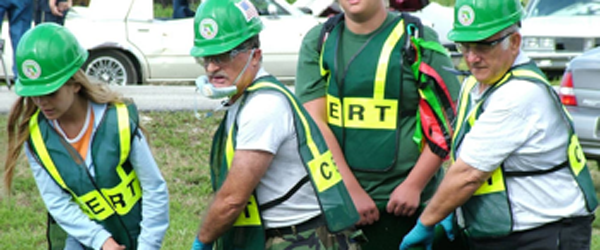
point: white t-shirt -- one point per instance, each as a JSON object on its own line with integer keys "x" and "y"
{"x": 266, "y": 123}
{"x": 523, "y": 128}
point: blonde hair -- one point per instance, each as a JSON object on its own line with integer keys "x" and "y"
{"x": 24, "y": 108}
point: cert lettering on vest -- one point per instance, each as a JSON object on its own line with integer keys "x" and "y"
{"x": 362, "y": 113}
{"x": 250, "y": 216}
{"x": 324, "y": 171}
{"x": 119, "y": 199}
{"x": 494, "y": 184}
{"x": 576, "y": 157}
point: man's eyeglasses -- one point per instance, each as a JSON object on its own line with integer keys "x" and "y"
{"x": 480, "y": 47}
{"x": 220, "y": 59}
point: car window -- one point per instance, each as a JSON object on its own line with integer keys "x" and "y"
{"x": 263, "y": 7}
{"x": 540, "y": 8}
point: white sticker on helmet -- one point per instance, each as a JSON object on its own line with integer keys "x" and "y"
{"x": 31, "y": 69}
{"x": 466, "y": 15}
{"x": 208, "y": 28}
{"x": 247, "y": 9}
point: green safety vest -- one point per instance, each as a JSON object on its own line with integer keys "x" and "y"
{"x": 488, "y": 213}
{"x": 335, "y": 202}
{"x": 365, "y": 107}
{"x": 112, "y": 197}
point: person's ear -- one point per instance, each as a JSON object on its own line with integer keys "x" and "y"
{"x": 76, "y": 87}
{"x": 257, "y": 57}
{"x": 515, "y": 42}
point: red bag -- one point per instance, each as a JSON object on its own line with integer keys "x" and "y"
{"x": 408, "y": 5}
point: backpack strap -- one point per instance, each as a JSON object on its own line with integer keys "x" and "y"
{"x": 327, "y": 28}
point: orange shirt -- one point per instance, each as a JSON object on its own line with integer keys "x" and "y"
{"x": 83, "y": 144}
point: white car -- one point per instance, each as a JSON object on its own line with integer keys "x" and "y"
{"x": 128, "y": 45}
{"x": 556, "y": 31}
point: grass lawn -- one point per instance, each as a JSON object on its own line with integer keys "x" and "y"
{"x": 181, "y": 146}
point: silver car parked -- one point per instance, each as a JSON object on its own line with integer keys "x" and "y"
{"x": 556, "y": 31}
{"x": 580, "y": 93}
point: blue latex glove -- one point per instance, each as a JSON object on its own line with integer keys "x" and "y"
{"x": 420, "y": 235}
{"x": 198, "y": 245}
{"x": 448, "y": 225}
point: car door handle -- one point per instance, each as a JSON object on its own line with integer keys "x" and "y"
{"x": 143, "y": 30}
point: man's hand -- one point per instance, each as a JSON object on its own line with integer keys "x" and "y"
{"x": 365, "y": 206}
{"x": 58, "y": 9}
{"x": 420, "y": 235}
{"x": 404, "y": 201}
{"x": 111, "y": 244}
{"x": 198, "y": 245}
{"x": 64, "y": 6}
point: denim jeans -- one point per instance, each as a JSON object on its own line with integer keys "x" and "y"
{"x": 20, "y": 14}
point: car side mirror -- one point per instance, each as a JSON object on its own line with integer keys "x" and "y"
{"x": 306, "y": 10}
{"x": 272, "y": 9}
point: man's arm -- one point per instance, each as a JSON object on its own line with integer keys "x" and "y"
{"x": 458, "y": 186}
{"x": 362, "y": 201}
{"x": 405, "y": 199}
{"x": 247, "y": 168}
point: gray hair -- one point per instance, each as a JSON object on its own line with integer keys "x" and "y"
{"x": 511, "y": 29}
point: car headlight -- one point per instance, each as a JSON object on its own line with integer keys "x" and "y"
{"x": 538, "y": 43}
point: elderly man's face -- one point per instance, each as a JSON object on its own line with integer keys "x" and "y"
{"x": 223, "y": 69}
{"x": 489, "y": 59}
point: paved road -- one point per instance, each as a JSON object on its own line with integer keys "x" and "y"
{"x": 169, "y": 98}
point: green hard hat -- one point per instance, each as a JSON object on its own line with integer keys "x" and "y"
{"x": 475, "y": 20}
{"x": 47, "y": 56}
{"x": 221, "y": 25}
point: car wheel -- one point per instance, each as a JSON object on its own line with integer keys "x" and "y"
{"x": 111, "y": 67}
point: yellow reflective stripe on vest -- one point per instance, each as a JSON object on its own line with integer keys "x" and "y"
{"x": 496, "y": 181}
{"x": 384, "y": 58}
{"x": 577, "y": 160}
{"x": 124, "y": 131}
{"x": 528, "y": 73}
{"x": 42, "y": 151}
{"x": 363, "y": 112}
{"x": 322, "y": 69}
{"x": 229, "y": 150}
{"x": 321, "y": 165}
{"x": 250, "y": 216}
{"x": 309, "y": 141}
{"x": 462, "y": 110}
